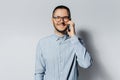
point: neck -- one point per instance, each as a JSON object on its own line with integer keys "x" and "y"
{"x": 59, "y": 33}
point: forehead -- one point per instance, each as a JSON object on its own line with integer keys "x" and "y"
{"x": 60, "y": 12}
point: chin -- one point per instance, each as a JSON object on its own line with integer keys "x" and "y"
{"x": 61, "y": 30}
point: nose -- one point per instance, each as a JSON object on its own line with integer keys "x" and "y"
{"x": 62, "y": 19}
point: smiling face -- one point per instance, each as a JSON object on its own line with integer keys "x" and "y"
{"x": 60, "y": 19}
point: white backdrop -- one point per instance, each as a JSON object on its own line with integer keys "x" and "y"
{"x": 24, "y": 22}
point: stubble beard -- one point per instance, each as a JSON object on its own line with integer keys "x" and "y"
{"x": 60, "y": 31}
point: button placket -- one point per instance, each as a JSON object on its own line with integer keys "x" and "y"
{"x": 60, "y": 42}
{"x": 61, "y": 64}
{"x": 59, "y": 56}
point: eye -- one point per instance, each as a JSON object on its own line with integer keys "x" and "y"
{"x": 58, "y": 17}
{"x": 66, "y": 17}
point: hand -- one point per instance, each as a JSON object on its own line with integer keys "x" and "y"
{"x": 71, "y": 33}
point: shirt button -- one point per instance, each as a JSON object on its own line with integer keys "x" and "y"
{"x": 60, "y": 43}
{"x": 61, "y": 63}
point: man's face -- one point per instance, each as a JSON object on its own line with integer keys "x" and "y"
{"x": 60, "y": 19}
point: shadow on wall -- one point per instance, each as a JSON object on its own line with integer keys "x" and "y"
{"x": 96, "y": 71}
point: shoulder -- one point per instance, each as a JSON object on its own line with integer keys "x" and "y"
{"x": 45, "y": 39}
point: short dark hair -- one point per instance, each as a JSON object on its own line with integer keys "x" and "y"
{"x": 62, "y": 7}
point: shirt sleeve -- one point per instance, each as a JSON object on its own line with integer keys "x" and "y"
{"x": 83, "y": 57}
{"x": 39, "y": 64}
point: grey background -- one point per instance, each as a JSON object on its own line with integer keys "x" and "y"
{"x": 24, "y": 22}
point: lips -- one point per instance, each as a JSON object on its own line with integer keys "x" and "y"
{"x": 61, "y": 24}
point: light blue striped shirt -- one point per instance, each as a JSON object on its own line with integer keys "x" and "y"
{"x": 57, "y": 58}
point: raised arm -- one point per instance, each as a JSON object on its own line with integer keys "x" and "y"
{"x": 83, "y": 57}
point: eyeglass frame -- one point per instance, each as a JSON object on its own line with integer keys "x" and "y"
{"x": 62, "y": 18}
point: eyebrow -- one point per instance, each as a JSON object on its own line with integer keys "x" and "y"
{"x": 60, "y": 16}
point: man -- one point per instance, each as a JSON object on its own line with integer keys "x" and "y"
{"x": 58, "y": 54}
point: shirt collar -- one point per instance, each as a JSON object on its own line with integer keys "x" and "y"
{"x": 57, "y": 37}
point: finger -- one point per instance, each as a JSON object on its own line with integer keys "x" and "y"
{"x": 69, "y": 22}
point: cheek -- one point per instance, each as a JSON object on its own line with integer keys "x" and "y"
{"x": 54, "y": 23}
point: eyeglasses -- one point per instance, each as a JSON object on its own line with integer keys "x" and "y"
{"x": 58, "y": 18}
